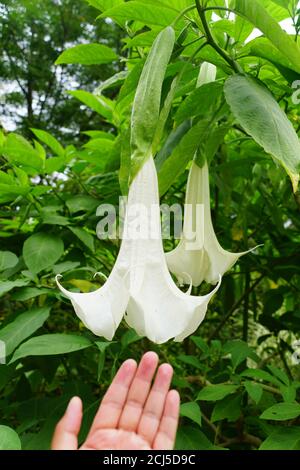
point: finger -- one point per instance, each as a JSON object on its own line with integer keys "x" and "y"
{"x": 165, "y": 438}
{"x": 138, "y": 392}
{"x": 67, "y": 429}
{"x": 152, "y": 413}
{"x": 113, "y": 401}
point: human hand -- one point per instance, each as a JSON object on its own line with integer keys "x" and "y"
{"x": 132, "y": 415}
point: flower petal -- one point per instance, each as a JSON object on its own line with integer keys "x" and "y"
{"x": 102, "y": 310}
{"x": 201, "y": 258}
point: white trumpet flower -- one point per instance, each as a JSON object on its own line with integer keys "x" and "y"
{"x": 140, "y": 281}
{"x": 157, "y": 308}
{"x": 199, "y": 256}
{"x": 102, "y": 310}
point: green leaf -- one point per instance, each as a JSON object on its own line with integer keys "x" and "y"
{"x": 82, "y": 202}
{"x": 201, "y": 344}
{"x": 10, "y": 192}
{"x": 87, "y": 54}
{"x": 190, "y": 360}
{"x": 257, "y": 15}
{"x": 23, "y": 326}
{"x": 259, "y": 374}
{"x": 284, "y": 438}
{"x": 86, "y": 238}
{"x": 254, "y": 390}
{"x": 7, "y": 260}
{"x": 129, "y": 337}
{"x": 65, "y": 266}
{"x": 261, "y": 116}
{"x": 54, "y": 164}
{"x": 47, "y": 345}
{"x": 42, "y": 250}
{"x": 282, "y": 412}
{"x": 27, "y": 293}
{"x": 229, "y": 408}
{"x": 9, "y": 439}
{"x": 18, "y": 150}
{"x": 185, "y": 151}
{"x": 98, "y": 104}
{"x": 216, "y": 392}
{"x": 50, "y": 141}
{"x": 171, "y": 143}
{"x": 199, "y": 102}
{"x": 192, "y": 411}
{"x": 7, "y": 286}
{"x": 191, "y": 438}
{"x": 146, "y": 107}
{"x": 141, "y": 12}
{"x": 261, "y": 47}
{"x": 279, "y": 374}
{"x": 103, "y": 5}
{"x": 239, "y": 351}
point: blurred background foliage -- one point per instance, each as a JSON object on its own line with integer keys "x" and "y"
{"x": 64, "y": 151}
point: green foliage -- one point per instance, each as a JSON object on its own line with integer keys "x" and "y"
{"x": 238, "y": 375}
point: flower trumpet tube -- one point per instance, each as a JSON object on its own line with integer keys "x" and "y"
{"x": 199, "y": 256}
{"x": 157, "y": 308}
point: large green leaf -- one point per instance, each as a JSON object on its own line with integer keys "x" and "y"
{"x": 284, "y": 438}
{"x": 261, "y": 116}
{"x": 86, "y": 238}
{"x": 254, "y": 390}
{"x": 9, "y": 439}
{"x": 42, "y": 250}
{"x": 261, "y": 47}
{"x": 23, "y": 326}
{"x": 98, "y": 104}
{"x": 282, "y": 412}
{"x": 103, "y": 5}
{"x": 7, "y": 260}
{"x": 47, "y": 345}
{"x": 87, "y": 54}
{"x": 257, "y": 15}
{"x": 145, "y": 14}
{"x": 9, "y": 192}
{"x": 229, "y": 408}
{"x": 50, "y": 141}
{"x": 191, "y": 438}
{"x": 216, "y": 392}
{"x": 6, "y": 286}
{"x": 18, "y": 150}
{"x": 185, "y": 151}
{"x": 192, "y": 411}
{"x": 199, "y": 101}
{"x": 239, "y": 351}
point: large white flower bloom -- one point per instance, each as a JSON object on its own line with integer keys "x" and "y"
{"x": 140, "y": 281}
{"x": 199, "y": 256}
{"x": 157, "y": 308}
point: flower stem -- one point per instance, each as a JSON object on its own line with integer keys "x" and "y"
{"x": 210, "y": 40}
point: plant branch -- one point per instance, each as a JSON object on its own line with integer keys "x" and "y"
{"x": 233, "y": 64}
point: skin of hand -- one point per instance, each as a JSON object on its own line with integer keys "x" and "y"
{"x": 133, "y": 415}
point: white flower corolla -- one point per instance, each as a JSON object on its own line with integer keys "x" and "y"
{"x": 157, "y": 308}
{"x": 199, "y": 256}
{"x": 102, "y": 310}
{"x": 140, "y": 281}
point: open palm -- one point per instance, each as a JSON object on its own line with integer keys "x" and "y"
{"x": 132, "y": 415}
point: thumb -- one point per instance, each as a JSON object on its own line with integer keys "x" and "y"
{"x": 67, "y": 430}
